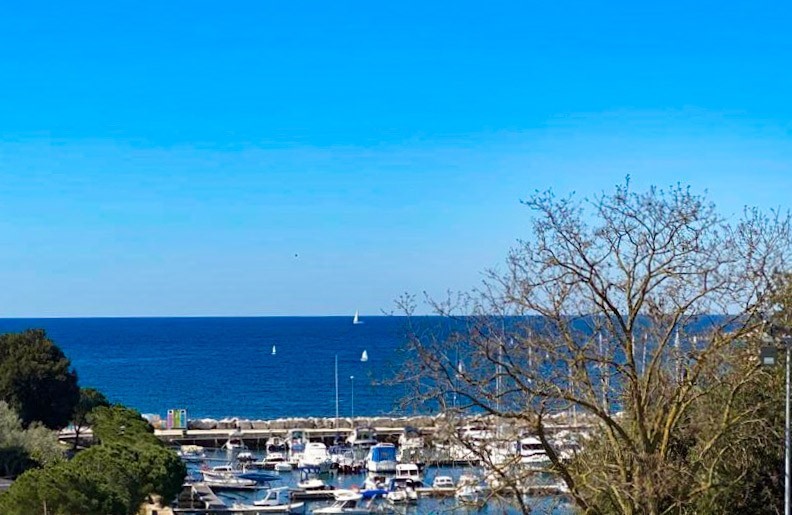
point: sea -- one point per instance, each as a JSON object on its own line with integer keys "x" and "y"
{"x": 245, "y": 367}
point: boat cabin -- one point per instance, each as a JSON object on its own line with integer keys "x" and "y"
{"x": 362, "y": 437}
{"x": 443, "y": 482}
{"x": 408, "y": 470}
{"x": 275, "y": 497}
{"x": 381, "y": 458}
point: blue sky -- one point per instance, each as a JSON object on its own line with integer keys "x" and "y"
{"x": 295, "y": 158}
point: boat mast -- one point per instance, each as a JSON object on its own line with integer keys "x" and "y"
{"x": 336, "y": 390}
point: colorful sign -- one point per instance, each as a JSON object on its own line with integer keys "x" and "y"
{"x": 177, "y": 419}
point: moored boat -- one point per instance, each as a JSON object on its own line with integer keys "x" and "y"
{"x": 363, "y": 437}
{"x": 315, "y": 455}
{"x": 381, "y": 458}
{"x": 346, "y": 503}
{"x": 278, "y": 500}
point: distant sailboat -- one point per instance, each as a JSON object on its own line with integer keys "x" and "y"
{"x": 273, "y": 350}
{"x": 356, "y": 320}
{"x": 364, "y": 357}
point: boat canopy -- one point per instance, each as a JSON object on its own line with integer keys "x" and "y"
{"x": 383, "y": 453}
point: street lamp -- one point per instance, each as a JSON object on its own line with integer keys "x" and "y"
{"x": 352, "y": 379}
{"x": 768, "y": 356}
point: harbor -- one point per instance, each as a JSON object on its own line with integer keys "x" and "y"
{"x": 250, "y": 467}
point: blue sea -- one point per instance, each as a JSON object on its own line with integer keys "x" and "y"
{"x": 224, "y": 367}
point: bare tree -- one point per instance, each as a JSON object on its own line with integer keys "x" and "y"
{"x": 628, "y": 320}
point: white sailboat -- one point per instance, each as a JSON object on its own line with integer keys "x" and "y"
{"x": 364, "y": 356}
{"x": 356, "y": 320}
{"x": 273, "y": 350}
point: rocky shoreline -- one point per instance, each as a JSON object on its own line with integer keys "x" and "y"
{"x": 311, "y": 423}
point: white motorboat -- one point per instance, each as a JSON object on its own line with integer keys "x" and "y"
{"x": 276, "y": 444}
{"x": 403, "y": 490}
{"x": 362, "y": 438}
{"x": 443, "y": 482}
{"x": 191, "y": 453}
{"x": 381, "y": 458}
{"x": 245, "y": 457}
{"x": 346, "y": 503}
{"x": 295, "y": 441}
{"x": 408, "y": 471}
{"x": 469, "y": 495}
{"x": 271, "y": 461}
{"x": 234, "y": 444}
{"x": 316, "y": 456}
{"x": 283, "y": 466}
{"x": 468, "y": 490}
{"x": 278, "y": 500}
{"x": 310, "y": 480}
{"x": 229, "y": 482}
{"x": 411, "y": 438}
{"x": 532, "y": 452}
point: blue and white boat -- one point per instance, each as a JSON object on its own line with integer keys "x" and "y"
{"x": 381, "y": 458}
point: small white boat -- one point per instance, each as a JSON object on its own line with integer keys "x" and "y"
{"x": 408, "y": 471}
{"x": 411, "y": 438}
{"x": 276, "y": 444}
{"x": 468, "y": 491}
{"x": 346, "y": 502}
{"x": 443, "y": 482}
{"x": 403, "y": 490}
{"x": 278, "y": 500}
{"x": 229, "y": 482}
{"x": 362, "y": 438}
{"x": 356, "y": 319}
{"x": 283, "y": 466}
{"x": 364, "y": 356}
{"x": 469, "y": 495}
{"x": 274, "y": 351}
{"x": 532, "y": 453}
{"x": 245, "y": 457}
{"x": 234, "y": 444}
{"x": 310, "y": 481}
{"x": 191, "y": 453}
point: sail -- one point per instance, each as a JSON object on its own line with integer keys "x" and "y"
{"x": 273, "y": 350}
{"x": 356, "y": 320}
{"x": 364, "y": 357}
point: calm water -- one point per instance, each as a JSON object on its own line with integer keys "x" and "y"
{"x": 218, "y": 367}
{"x": 426, "y": 505}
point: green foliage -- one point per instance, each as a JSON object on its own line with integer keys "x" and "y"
{"x": 65, "y": 490}
{"x": 118, "y": 424}
{"x": 36, "y": 379}
{"x": 22, "y": 448}
{"x": 114, "y": 477}
{"x": 90, "y": 399}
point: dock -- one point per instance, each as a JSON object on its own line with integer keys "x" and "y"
{"x": 257, "y": 438}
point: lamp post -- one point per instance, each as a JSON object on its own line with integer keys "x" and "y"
{"x": 768, "y": 358}
{"x": 352, "y": 380}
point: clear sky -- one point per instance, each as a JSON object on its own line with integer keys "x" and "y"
{"x": 313, "y": 158}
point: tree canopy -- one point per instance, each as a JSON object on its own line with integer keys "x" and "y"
{"x": 36, "y": 379}
{"x": 23, "y": 448}
{"x": 635, "y": 318}
{"x": 90, "y": 398}
{"x": 114, "y": 477}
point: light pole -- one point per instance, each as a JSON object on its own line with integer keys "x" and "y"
{"x": 768, "y": 358}
{"x": 352, "y": 380}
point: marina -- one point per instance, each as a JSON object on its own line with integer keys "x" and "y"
{"x": 358, "y": 470}
{"x": 440, "y": 488}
